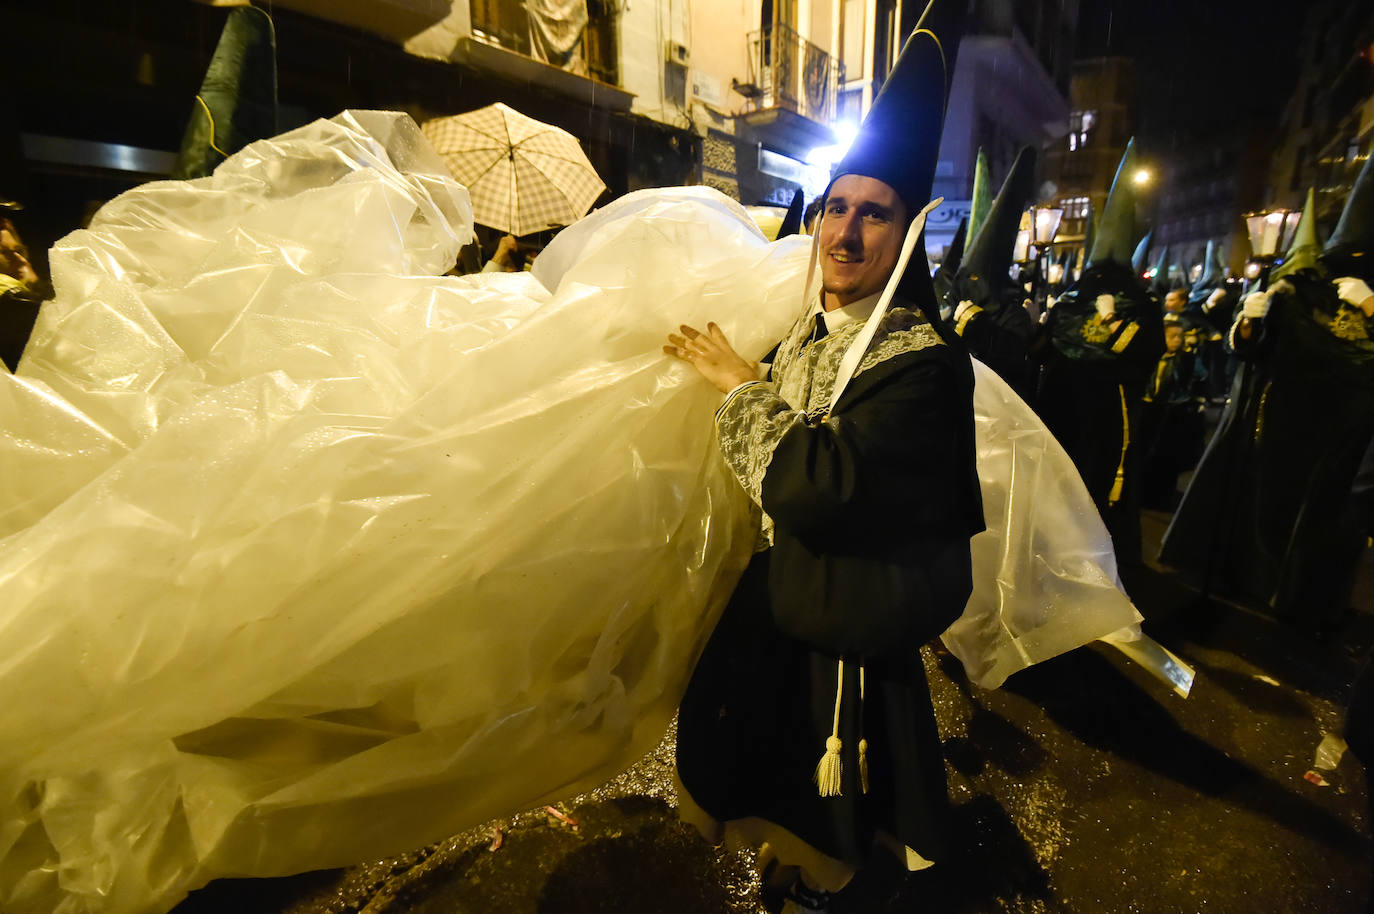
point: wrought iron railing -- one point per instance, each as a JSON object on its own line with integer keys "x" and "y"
{"x": 787, "y": 71}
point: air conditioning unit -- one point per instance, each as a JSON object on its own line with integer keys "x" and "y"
{"x": 675, "y": 52}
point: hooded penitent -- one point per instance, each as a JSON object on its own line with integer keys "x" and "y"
{"x": 1107, "y": 334}
{"x": 237, "y": 102}
{"x": 1350, "y": 249}
{"x": 983, "y": 276}
{"x": 1108, "y": 272}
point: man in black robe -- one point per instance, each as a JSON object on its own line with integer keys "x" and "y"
{"x": 869, "y": 495}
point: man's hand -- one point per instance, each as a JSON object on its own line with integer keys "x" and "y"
{"x": 711, "y": 354}
{"x": 506, "y": 250}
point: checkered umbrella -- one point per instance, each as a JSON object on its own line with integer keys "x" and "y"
{"x": 524, "y": 175}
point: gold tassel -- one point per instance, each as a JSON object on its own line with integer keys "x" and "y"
{"x": 863, "y": 743}
{"x": 830, "y": 768}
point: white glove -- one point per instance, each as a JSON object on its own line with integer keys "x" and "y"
{"x": 1106, "y": 305}
{"x": 1256, "y": 306}
{"x": 963, "y": 306}
{"x": 1353, "y": 290}
{"x": 1217, "y": 295}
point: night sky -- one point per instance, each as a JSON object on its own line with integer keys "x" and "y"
{"x": 1202, "y": 65}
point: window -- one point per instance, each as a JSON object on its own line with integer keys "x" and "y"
{"x": 1081, "y": 125}
{"x": 1075, "y": 207}
{"x": 1295, "y": 182}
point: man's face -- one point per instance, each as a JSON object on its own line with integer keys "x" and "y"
{"x": 1175, "y": 302}
{"x": 1173, "y": 338}
{"x": 861, "y": 232}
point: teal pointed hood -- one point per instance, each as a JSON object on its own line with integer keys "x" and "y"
{"x": 1350, "y": 249}
{"x": 1305, "y": 251}
{"x": 1115, "y": 236}
{"x": 237, "y": 102}
{"x": 982, "y": 194}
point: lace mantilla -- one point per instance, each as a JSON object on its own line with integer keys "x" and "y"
{"x": 754, "y": 419}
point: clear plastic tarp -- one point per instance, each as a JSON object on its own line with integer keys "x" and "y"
{"x": 310, "y": 554}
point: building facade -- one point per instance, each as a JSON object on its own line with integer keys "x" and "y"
{"x": 1327, "y": 128}
{"x": 1080, "y": 165}
{"x": 109, "y": 87}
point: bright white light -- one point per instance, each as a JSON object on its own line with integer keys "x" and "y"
{"x": 1142, "y": 176}
{"x": 845, "y": 132}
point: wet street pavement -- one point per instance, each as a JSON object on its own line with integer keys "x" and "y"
{"x": 1082, "y": 785}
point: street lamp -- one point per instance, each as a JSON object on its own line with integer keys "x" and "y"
{"x": 1039, "y": 225}
{"x": 1271, "y": 232}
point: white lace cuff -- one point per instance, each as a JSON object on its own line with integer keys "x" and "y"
{"x": 749, "y": 425}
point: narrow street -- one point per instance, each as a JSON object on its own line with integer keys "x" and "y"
{"x": 1083, "y": 785}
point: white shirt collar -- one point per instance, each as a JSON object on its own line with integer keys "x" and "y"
{"x": 854, "y": 311}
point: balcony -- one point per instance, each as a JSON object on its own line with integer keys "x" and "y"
{"x": 569, "y": 47}
{"x": 788, "y": 72}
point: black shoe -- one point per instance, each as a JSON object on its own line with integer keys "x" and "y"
{"x": 802, "y": 899}
{"x": 775, "y": 880}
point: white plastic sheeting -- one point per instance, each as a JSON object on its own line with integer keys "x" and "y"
{"x": 309, "y": 554}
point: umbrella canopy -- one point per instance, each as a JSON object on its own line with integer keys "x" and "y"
{"x": 524, "y": 175}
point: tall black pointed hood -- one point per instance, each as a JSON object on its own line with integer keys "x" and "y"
{"x": 1350, "y": 249}
{"x": 899, "y": 141}
{"x": 944, "y": 275}
{"x": 1115, "y": 236}
{"x": 791, "y": 223}
{"x": 984, "y": 270}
